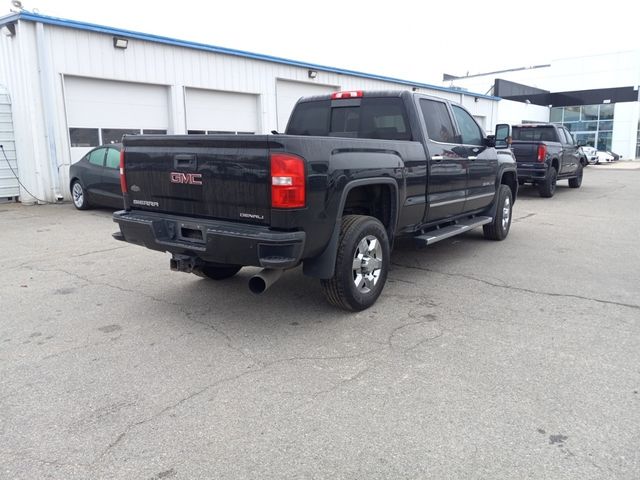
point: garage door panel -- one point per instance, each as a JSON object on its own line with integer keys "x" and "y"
{"x": 288, "y": 93}
{"x": 111, "y": 104}
{"x": 213, "y": 110}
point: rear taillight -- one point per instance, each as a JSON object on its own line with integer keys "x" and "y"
{"x": 345, "y": 95}
{"x": 542, "y": 153}
{"x": 287, "y": 181}
{"x": 123, "y": 179}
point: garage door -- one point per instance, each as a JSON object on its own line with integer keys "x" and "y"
{"x": 288, "y": 93}
{"x": 213, "y": 111}
{"x": 101, "y": 111}
{"x": 8, "y": 181}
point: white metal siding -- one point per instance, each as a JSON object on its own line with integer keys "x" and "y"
{"x": 174, "y": 70}
{"x": 221, "y": 111}
{"x": 288, "y": 93}
{"x": 9, "y": 186}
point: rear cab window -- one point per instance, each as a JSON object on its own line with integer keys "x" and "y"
{"x": 382, "y": 118}
{"x": 438, "y": 121}
{"x": 543, "y": 133}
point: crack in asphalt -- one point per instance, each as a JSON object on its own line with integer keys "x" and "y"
{"x": 520, "y": 289}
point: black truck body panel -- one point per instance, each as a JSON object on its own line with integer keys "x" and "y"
{"x": 410, "y": 182}
{"x": 561, "y": 152}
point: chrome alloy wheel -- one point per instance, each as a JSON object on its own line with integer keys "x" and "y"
{"x": 78, "y": 195}
{"x": 367, "y": 264}
{"x": 506, "y": 213}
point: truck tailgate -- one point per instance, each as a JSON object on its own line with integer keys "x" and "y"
{"x": 211, "y": 176}
{"x": 525, "y": 151}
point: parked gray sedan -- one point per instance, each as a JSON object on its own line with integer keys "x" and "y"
{"x": 95, "y": 179}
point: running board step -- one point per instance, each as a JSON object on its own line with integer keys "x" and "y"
{"x": 434, "y": 236}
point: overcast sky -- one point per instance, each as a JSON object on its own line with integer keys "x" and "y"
{"x": 416, "y": 41}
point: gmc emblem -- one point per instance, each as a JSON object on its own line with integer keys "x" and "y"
{"x": 187, "y": 178}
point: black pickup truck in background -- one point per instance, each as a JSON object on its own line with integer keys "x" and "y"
{"x": 354, "y": 171}
{"x": 546, "y": 153}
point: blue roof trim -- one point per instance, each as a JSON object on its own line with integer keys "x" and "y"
{"x": 29, "y": 16}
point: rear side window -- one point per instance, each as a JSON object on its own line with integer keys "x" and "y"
{"x": 381, "y": 118}
{"x": 535, "y": 134}
{"x": 113, "y": 158}
{"x": 471, "y": 133}
{"x": 439, "y": 124}
{"x": 97, "y": 157}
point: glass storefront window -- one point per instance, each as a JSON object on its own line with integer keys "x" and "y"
{"x": 556, "y": 115}
{"x": 590, "y": 112}
{"x": 588, "y": 139}
{"x": 571, "y": 114}
{"x": 607, "y": 125}
{"x": 604, "y": 141}
{"x": 606, "y": 111}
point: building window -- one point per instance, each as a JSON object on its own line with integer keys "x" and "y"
{"x": 114, "y": 135}
{"x": 590, "y": 124}
{"x": 154, "y": 131}
{"x": 84, "y": 137}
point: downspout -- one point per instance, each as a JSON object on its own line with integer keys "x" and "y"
{"x": 48, "y": 108}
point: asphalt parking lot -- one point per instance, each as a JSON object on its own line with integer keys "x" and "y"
{"x": 515, "y": 359}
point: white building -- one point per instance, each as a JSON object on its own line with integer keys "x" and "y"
{"x": 66, "y": 86}
{"x": 596, "y": 97}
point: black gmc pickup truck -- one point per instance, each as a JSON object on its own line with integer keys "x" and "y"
{"x": 546, "y": 153}
{"x": 353, "y": 172}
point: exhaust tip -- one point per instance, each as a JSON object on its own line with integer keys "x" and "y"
{"x": 257, "y": 285}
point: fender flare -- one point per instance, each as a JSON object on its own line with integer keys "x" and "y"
{"x": 323, "y": 266}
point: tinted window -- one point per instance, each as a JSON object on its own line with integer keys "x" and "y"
{"x": 154, "y": 131}
{"x": 97, "y": 157}
{"x": 471, "y": 133}
{"x": 439, "y": 124}
{"x": 562, "y": 136}
{"x": 382, "y": 118}
{"x": 114, "y": 135}
{"x": 535, "y": 134}
{"x": 569, "y": 137}
{"x": 310, "y": 118}
{"x": 84, "y": 137}
{"x": 113, "y": 158}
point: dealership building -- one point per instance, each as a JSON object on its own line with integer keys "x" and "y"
{"x": 68, "y": 86}
{"x": 596, "y": 97}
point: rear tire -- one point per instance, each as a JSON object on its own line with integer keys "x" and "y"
{"x": 79, "y": 196}
{"x": 498, "y": 229}
{"x": 362, "y": 264}
{"x": 217, "y": 271}
{"x": 547, "y": 187}
{"x": 577, "y": 181}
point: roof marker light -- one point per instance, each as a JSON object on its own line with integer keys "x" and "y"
{"x": 344, "y": 95}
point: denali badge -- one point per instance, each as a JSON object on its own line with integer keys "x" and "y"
{"x": 188, "y": 178}
{"x": 252, "y": 215}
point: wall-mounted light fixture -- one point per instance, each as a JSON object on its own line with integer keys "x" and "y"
{"x": 9, "y": 29}
{"x": 119, "y": 42}
{"x": 312, "y": 74}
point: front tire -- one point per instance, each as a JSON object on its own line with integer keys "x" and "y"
{"x": 547, "y": 187}
{"x": 79, "y": 196}
{"x": 577, "y": 181}
{"x": 217, "y": 271}
{"x": 362, "y": 264}
{"x": 498, "y": 229}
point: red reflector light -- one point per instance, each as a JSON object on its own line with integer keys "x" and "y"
{"x": 288, "y": 188}
{"x": 123, "y": 179}
{"x": 351, "y": 94}
{"x": 542, "y": 153}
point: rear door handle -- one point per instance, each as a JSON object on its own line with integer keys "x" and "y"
{"x": 437, "y": 158}
{"x": 185, "y": 161}
{"x": 471, "y": 157}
